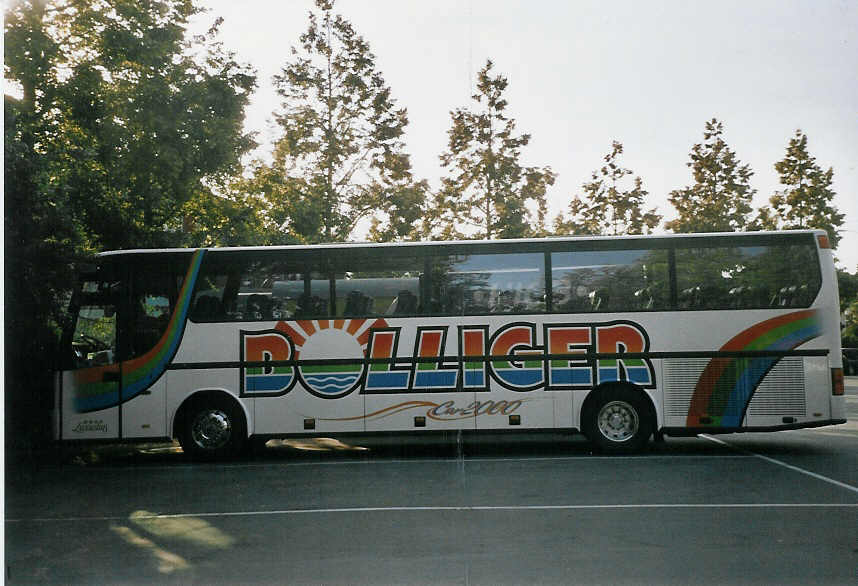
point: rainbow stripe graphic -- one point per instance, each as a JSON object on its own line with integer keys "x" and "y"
{"x": 726, "y": 386}
{"x": 92, "y": 393}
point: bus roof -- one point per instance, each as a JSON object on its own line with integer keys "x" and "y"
{"x": 474, "y": 243}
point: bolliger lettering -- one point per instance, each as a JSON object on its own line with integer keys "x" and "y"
{"x": 522, "y": 364}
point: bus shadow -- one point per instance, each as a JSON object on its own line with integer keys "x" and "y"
{"x": 452, "y": 445}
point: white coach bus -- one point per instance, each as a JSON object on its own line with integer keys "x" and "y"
{"x": 622, "y": 339}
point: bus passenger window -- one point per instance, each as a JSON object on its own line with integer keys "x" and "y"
{"x": 588, "y": 281}
{"x": 356, "y": 304}
{"x": 207, "y": 308}
{"x": 770, "y": 276}
{"x": 488, "y": 283}
{"x": 406, "y": 303}
{"x": 247, "y": 288}
{"x": 310, "y": 306}
{"x": 151, "y": 317}
{"x": 154, "y": 291}
{"x": 381, "y": 284}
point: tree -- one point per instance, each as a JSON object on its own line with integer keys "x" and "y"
{"x": 122, "y": 121}
{"x": 488, "y": 187}
{"x": 341, "y": 157}
{"x": 232, "y": 217}
{"x": 606, "y": 208}
{"x": 847, "y": 284}
{"x": 720, "y": 198}
{"x": 806, "y": 200}
{"x": 135, "y": 121}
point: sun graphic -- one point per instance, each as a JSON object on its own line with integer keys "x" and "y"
{"x": 324, "y": 339}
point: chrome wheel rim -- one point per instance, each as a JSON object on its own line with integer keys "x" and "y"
{"x": 618, "y": 421}
{"x": 211, "y": 429}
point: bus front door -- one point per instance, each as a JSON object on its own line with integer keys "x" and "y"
{"x": 89, "y": 390}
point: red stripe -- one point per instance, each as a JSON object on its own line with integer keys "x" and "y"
{"x": 307, "y": 326}
{"x": 364, "y": 337}
{"x": 94, "y": 374}
{"x": 297, "y": 338}
{"x": 354, "y": 325}
{"x": 744, "y": 339}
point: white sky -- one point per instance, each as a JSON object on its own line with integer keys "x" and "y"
{"x": 582, "y": 74}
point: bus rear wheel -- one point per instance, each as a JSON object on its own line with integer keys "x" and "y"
{"x": 212, "y": 428}
{"x": 618, "y": 420}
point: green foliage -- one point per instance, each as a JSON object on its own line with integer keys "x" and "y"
{"x": 227, "y": 219}
{"x": 849, "y": 334}
{"x": 720, "y": 198}
{"x": 488, "y": 187}
{"x": 847, "y": 285}
{"x": 606, "y": 208}
{"x": 341, "y": 157}
{"x": 132, "y": 120}
{"x": 806, "y": 200}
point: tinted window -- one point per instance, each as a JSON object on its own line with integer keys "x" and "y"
{"x": 470, "y": 284}
{"x": 382, "y": 284}
{"x": 239, "y": 288}
{"x": 609, "y": 280}
{"x": 94, "y": 337}
{"x": 154, "y": 292}
{"x": 747, "y": 277}
{"x": 276, "y": 287}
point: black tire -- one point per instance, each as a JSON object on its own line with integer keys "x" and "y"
{"x": 254, "y": 446}
{"x": 618, "y": 420}
{"x": 212, "y": 428}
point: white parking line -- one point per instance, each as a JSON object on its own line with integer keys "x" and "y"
{"x": 783, "y": 464}
{"x": 458, "y": 509}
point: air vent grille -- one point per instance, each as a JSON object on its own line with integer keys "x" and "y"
{"x": 781, "y": 392}
{"x": 680, "y": 378}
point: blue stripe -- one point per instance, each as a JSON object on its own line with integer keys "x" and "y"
{"x": 475, "y": 378}
{"x": 387, "y": 380}
{"x": 571, "y": 376}
{"x": 267, "y": 382}
{"x": 520, "y": 377}
{"x": 435, "y": 379}
{"x": 97, "y": 402}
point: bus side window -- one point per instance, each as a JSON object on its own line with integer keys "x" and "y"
{"x": 155, "y": 290}
{"x": 381, "y": 284}
{"x": 311, "y": 306}
{"x": 747, "y": 277}
{"x": 589, "y": 281}
{"x": 356, "y": 304}
{"x": 480, "y": 284}
{"x": 152, "y": 314}
{"x": 208, "y": 308}
{"x": 406, "y": 303}
{"x": 94, "y": 338}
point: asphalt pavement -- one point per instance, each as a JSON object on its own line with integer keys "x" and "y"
{"x": 774, "y": 508}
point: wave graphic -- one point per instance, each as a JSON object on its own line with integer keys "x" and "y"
{"x": 331, "y": 383}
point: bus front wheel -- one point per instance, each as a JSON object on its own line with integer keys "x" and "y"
{"x": 617, "y": 420}
{"x": 212, "y": 428}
